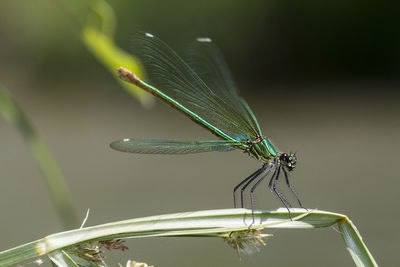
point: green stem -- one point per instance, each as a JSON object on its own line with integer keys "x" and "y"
{"x": 52, "y": 175}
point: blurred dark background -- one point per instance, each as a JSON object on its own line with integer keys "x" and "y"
{"x": 322, "y": 78}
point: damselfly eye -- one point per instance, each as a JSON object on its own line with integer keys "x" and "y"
{"x": 288, "y": 161}
{"x": 284, "y": 158}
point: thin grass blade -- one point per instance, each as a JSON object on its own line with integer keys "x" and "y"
{"x": 354, "y": 244}
{"x": 51, "y": 173}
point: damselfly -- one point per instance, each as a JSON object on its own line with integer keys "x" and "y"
{"x": 202, "y": 88}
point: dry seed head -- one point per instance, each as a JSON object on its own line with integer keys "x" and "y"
{"x": 247, "y": 241}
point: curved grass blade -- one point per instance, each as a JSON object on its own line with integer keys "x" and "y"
{"x": 208, "y": 223}
{"x": 95, "y": 22}
{"x": 176, "y": 79}
{"x": 169, "y": 146}
{"x": 354, "y": 243}
{"x": 52, "y": 175}
{"x": 106, "y": 52}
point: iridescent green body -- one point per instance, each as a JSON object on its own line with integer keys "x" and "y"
{"x": 264, "y": 150}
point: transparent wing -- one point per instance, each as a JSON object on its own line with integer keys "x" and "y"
{"x": 207, "y": 61}
{"x": 217, "y": 102}
{"x": 169, "y": 146}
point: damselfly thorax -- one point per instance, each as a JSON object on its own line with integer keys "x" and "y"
{"x": 261, "y": 148}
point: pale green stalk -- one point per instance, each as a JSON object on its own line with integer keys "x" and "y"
{"x": 51, "y": 173}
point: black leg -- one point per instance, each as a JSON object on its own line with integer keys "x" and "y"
{"x": 257, "y": 172}
{"x": 281, "y": 196}
{"x": 272, "y": 186}
{"x": 254, "y": 188}
{"x": 292, "y": 189}
{"x": 251, "y": 176}
{"x": 247, "y": 184}
{"x": 248, "y": 180}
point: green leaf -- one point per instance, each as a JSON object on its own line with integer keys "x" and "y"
{"x": 354, "y": 244}
{"x": 99, "y": 41}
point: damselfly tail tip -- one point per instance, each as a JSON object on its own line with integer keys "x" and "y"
{"x": 127, "y": 75}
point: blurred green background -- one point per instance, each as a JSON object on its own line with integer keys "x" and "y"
{"x": 322, "y": 78}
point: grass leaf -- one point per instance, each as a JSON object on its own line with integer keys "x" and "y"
{"x": 208, "y": 223}
{"x": 354, "y": 244}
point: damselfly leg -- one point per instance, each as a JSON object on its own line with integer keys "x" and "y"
{"x": 292, "y": 189}
{"x": 248, "y": 180}
{"x": 272, "y": 187}
{"x": 254, "y": 188}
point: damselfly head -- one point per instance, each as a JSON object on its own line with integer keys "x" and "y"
{"x": 288, "y": 160}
